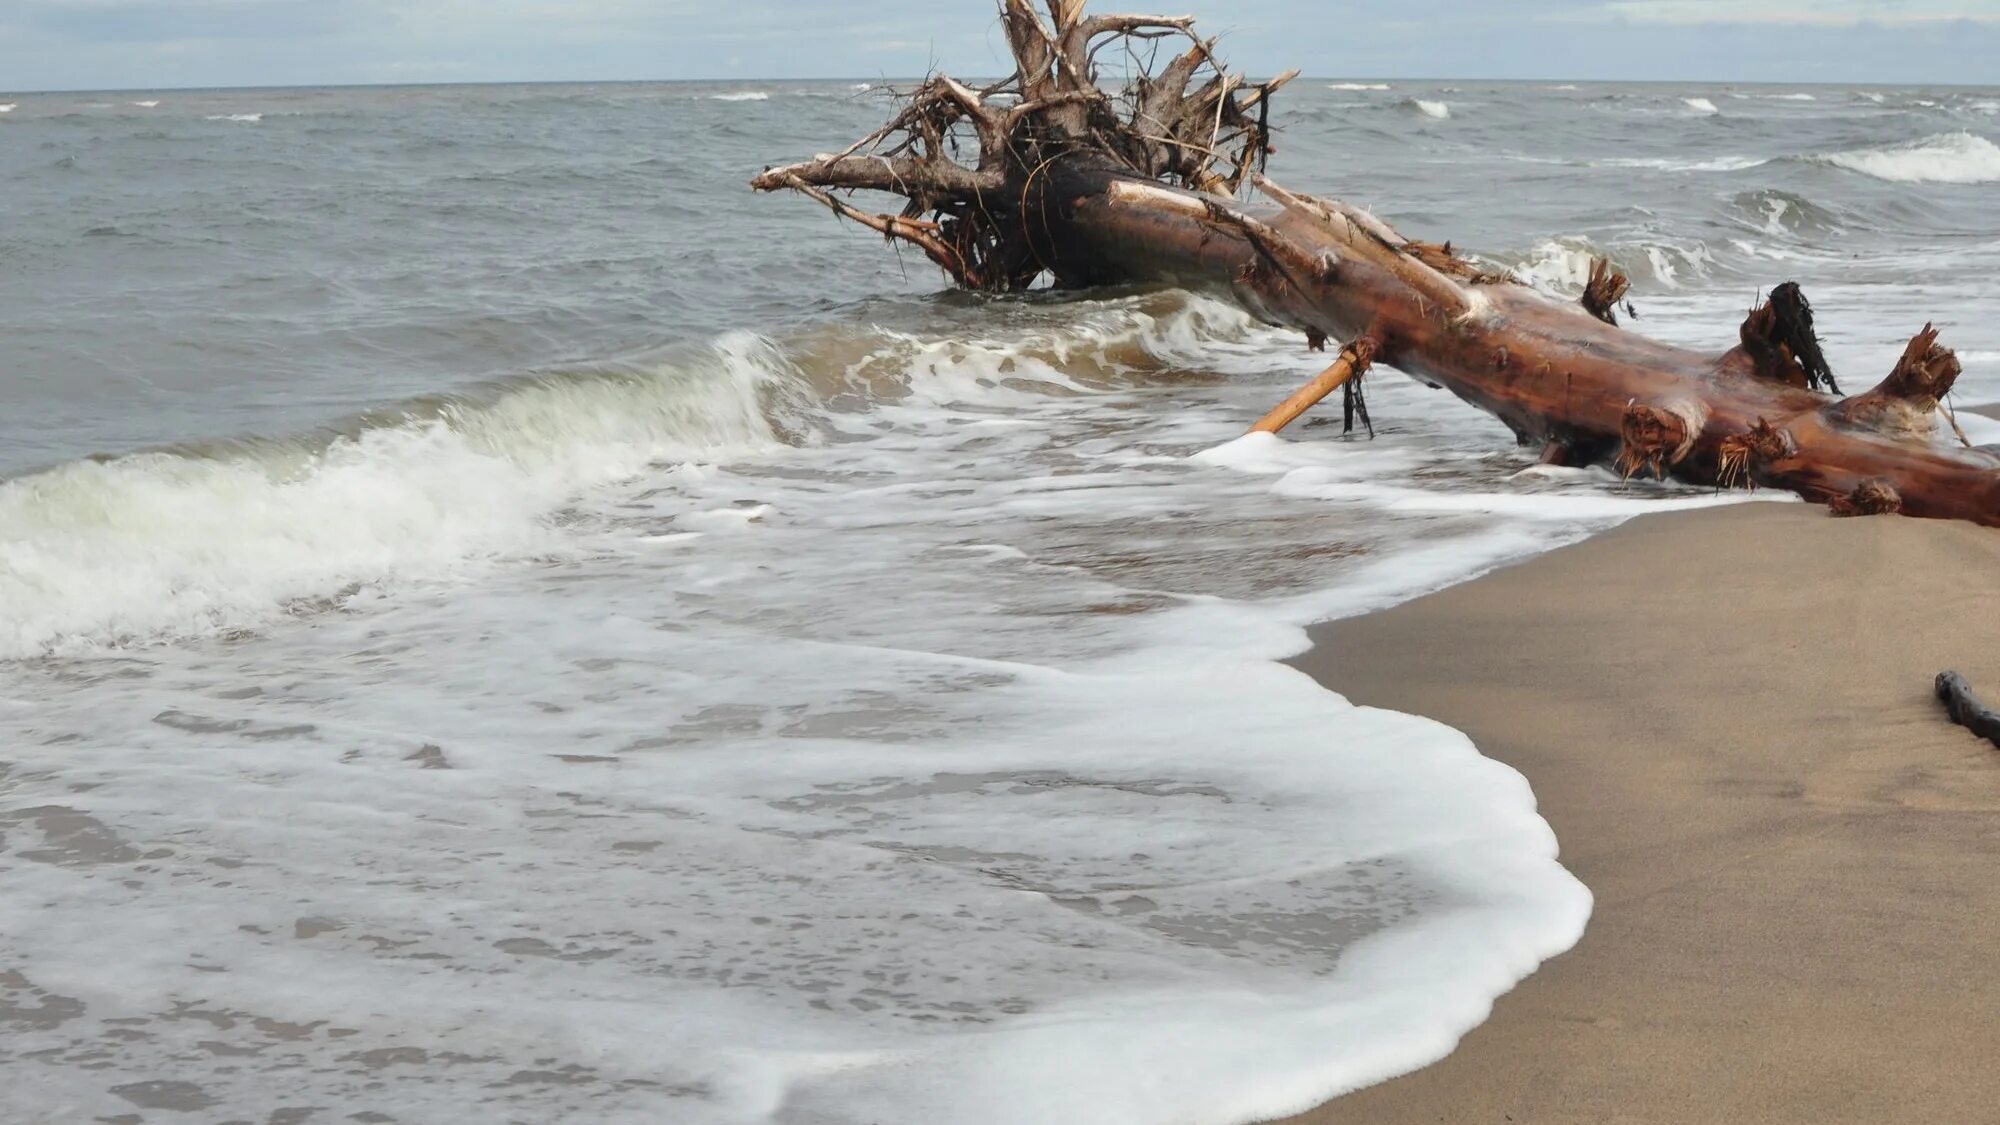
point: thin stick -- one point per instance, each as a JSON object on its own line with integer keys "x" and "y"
{"x": 1354, "y": 362}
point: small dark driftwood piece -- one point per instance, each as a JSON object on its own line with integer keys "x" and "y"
{"x": 1965, "y": 708}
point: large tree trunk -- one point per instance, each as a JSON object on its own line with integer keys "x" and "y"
{"x": 1091, "y": 187}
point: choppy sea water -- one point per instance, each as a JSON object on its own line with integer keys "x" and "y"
{"x": 499, "y": 624}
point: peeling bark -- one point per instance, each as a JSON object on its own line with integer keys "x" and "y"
{"x": 1086, "y": 187}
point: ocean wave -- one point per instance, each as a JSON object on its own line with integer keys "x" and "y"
{"x": 1433, "y": 109}
{"x": 1358, "y": 86}
{"x": 1944, "y": 158}
{"x": 1562, "y": 265}
{"x": 8, "y": 107}
{"x": 196, "y": 540}
{"x": 211, "y": 537}
{"x": 1098, "y": 345}
{"x": 241, "y": 118}
{"x": 1784, "y": 213}
{"x": 147, "y": 104}
{"x": 1700, "y": 105}
{"x": 743, "y": 96}
{"x": 1668, "y": 164}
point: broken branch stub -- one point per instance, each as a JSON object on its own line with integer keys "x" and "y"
{"x": 1086, "y": 185}
{"x": 1607, "y": 286}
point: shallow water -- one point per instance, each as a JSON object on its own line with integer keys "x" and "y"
{"x": 501, "y": 624}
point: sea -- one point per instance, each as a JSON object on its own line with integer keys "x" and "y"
{"x": 499, "y": 623}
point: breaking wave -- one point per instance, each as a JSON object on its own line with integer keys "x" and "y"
{"x": 1358, "y": 86}
{"x": 1945, "y": 158}
{"x": 201, "y": 539}
{"x": 222, "y": 536}
{"x": 1700, "y": 105}
{"x": 743, "y": 96}
{"x": 1562, "y": 265}
{"x": 1438, "y": 110}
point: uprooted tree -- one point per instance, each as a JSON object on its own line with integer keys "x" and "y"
{"x": 1049, "y": 174}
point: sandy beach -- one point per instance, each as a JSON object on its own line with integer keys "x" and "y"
{"x": 1727, "y": 716}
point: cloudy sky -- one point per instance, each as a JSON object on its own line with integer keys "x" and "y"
{"x": 104, "y": 44}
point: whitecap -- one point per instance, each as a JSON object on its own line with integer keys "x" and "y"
{"x": 241, "y": 118}
{"x": 147, "y": 104}
{"x": 8, "y": 107}
{"x": 1438, "y": 110}
{"x": 1700, "y": 105}
{"x": 1944, "y": 158}
{"x": 1358, "y": 86}
{"x": 1668, "y": 164}
{"x": 164, "y": 545}
{"x": 744, "y": 96}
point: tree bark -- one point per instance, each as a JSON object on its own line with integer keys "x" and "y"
{"x": 1088, "y": 187}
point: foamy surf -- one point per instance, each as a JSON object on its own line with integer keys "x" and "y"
{"x": 1356, "y": 86}
{"x": 1944, "y": 158}
{"x": 742, "y": 96}
{"x": 240, "y": 118}
{"x": 957, "y": 815}
{"x": 150, "y": 104}
{"x": 1438, "y": 110}
{"x": 1700, "y": 105}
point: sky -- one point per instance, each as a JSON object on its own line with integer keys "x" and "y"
{"x": 147, "y": 44}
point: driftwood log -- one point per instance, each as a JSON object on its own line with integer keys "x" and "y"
{"x": 1049, "y": 175}
{"x": 1965, "y": 708}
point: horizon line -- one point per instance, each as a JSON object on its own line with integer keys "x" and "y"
{"x": 855, "y": 78}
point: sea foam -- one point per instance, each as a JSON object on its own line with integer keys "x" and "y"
{"x": 762, "y": 778}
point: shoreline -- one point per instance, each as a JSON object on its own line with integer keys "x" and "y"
{"x": 1726, "y": 715}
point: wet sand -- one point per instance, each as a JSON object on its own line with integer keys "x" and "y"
{"x": 1727, "y": 716}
